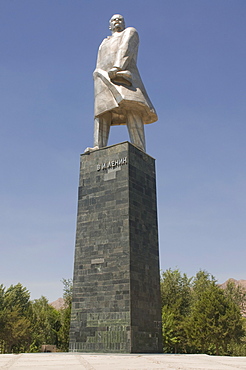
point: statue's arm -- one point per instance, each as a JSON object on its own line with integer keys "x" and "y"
{"x": 99, "y": 56}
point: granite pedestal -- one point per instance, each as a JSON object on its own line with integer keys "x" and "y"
{"x": 116, "y": 303}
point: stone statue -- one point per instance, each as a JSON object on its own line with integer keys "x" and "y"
{"x": 120, "y": 96}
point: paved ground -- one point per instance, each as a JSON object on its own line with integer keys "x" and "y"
{"x": 90, "y": 361}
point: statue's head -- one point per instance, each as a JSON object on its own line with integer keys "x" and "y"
{"x": 117, "y": 23}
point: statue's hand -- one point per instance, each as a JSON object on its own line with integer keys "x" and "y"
{"x": 112, "y": 73}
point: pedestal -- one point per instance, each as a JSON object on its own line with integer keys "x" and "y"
{"x": 116, "y": 303}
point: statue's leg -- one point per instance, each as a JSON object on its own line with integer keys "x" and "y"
{"x": 101, "y": 130}
{"x": 136, "y": 129}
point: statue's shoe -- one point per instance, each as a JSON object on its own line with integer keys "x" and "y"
{"x": 88, "y": 150}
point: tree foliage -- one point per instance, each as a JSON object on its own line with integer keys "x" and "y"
{"x": 15, "y": 324}
{"x": 25, "y": 325}
{"x": 215, "y": 320}
{"x": 175, "y": 296}
{"x": 200, "y": 317}
{"x": 46, "y": 324}
{"x": 65, "y": 312}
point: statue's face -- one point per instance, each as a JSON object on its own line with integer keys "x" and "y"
{"x": 117, "y": 23}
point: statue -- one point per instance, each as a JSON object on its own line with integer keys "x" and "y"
{"x": 120, "y": 96}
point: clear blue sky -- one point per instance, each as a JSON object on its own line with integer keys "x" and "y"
{"x": 192, "y": 60}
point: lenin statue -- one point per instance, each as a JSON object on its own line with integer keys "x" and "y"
{"x": 120, "y": 96}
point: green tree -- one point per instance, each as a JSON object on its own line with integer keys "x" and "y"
{"x": 15, "y": 325}
{"x": 65, "y": 315}
{"x": 46, "y": 324}
{"x": 25, "y": 325}
{"x": 175, "y": 295}
{"x": 2, "y": 319}
{"x": 19, "y": 297}
{"x": 215, "y": 320}
{"x": 237, "y": 294}
{"x": 170, "y": 340}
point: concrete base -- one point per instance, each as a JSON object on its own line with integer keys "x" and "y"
{"x": 90, "y": 361}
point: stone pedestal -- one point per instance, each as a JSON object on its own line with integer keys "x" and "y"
{"x": 116, "y": 296}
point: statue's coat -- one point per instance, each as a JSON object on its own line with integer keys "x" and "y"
{"x": 120, "y": 50}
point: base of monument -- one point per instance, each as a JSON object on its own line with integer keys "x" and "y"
{"x": 116, "y": 303}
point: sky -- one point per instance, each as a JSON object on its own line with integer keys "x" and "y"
{"x": 192, "y": 59}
